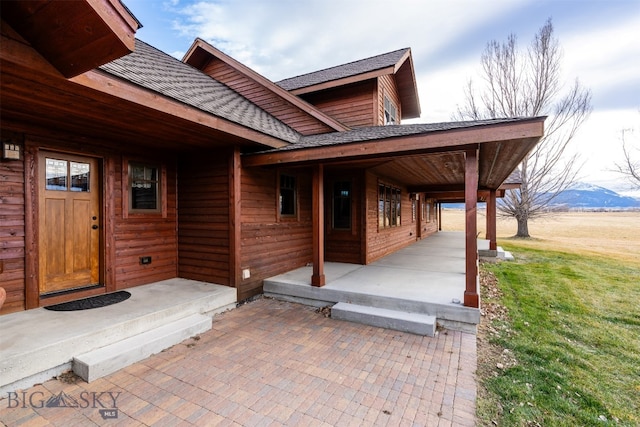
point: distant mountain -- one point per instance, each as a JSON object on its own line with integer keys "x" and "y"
{"x": 583, "y": 195}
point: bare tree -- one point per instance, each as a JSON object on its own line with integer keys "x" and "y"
{"x": 527, "y": 84}
{"x": 630, "y": 166}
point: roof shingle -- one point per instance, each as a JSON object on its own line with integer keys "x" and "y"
{"x": 383, "y": 132}
{"x": 346, "y": 70}
{"x": 155, "y": 70}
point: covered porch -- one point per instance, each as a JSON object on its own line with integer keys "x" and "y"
{"x": 425, "y": 278}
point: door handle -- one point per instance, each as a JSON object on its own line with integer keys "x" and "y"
{"x": 94, "y": 226}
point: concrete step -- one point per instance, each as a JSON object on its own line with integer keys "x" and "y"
{"x": 110, "y": 358}
{"x": 415, "y": 323}
{"x": 38, "y": 344}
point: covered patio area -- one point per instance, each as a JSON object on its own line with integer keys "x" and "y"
{"x": 426, "y": 278}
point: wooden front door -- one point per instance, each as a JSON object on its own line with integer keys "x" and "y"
{"x": 69, "y": 220}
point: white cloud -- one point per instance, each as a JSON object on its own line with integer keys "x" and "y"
{"x": 605, "y": 58}
{"x": 285, "y": 38}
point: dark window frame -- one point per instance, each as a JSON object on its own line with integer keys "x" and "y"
{"x": 341, "y": 203}
{"x": 389, "y": 206}
{"x": 287, "y": 209}
{"x": 127, "y": 191}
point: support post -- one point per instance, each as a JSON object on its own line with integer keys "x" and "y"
{"x": 491, "y": 221}
{"x": 471, "y": 297}
{"x": 439, "y": 216}
{"x": 318, "y": 278}
{"x": 235, "y": 236}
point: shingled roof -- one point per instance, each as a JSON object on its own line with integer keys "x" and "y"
{"x": 372, "y": 133}
{"x": 346, "y": 70}
{"x": 155, "y": 70}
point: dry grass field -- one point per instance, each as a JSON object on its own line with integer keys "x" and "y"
{"x": 610, "y": 234}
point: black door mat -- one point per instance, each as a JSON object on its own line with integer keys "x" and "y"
{"x": 91, "y": 302}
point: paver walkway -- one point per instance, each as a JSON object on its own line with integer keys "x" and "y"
{"x": 273, "y": 363}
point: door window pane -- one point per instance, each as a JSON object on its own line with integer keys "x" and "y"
{"x": 80, "y": 173}
{"x": 56, "y": 171}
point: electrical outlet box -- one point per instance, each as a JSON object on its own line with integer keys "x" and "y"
{"x": 144, "y": 260}
{"x": 246, "y": 273}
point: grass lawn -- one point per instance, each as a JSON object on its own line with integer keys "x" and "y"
{"x": 570, "y": 343}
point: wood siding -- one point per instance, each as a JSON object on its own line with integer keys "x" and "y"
{"x": 126, "y": 236}
{"x": 387, "y": 87}
{"x": 140, "y": 235}
{"x": 384, "y": 241}
{"x": 429, "y": 222}
{"x": 271, "y": 246}
{"x": 12, "y": 234}
{"x": 265, "y": 99}
{"x": 203, "y": 223}
{"x": 354, "y": 105}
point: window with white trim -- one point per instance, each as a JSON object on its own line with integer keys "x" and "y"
{"x": 390, "y": 112}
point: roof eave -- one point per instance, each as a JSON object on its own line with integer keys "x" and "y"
{"x": 104, "y": 82}
{"x": 529, "y": 130}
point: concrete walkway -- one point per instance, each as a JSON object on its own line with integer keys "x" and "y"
{"x": 273, "y": 363}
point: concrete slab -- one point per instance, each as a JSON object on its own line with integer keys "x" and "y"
{"x": 427, "y": 277}
{"x": 39, "y": 340}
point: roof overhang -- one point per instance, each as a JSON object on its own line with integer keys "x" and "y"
{"x": 428, "y": 162}
{"x": 98, "y": 108}
{"x": 74, "y": 36}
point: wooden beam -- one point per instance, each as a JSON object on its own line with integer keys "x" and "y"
{"x": 235, "y": 229}
{"x": 109, "y": 223}
{"x": 32, "y": 290}
{"x": 318, "y": 278}
{"x": 471, "y": 297}
{"x": 435, "y": 141}
{"x": 491, "y": 220}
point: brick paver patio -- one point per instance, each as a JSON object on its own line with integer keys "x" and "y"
{"x": 274, "y": 363}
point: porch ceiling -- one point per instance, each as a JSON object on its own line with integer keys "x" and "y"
{"x": 431, "y": 162}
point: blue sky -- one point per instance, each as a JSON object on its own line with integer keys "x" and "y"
{"x": 285, "y": 38}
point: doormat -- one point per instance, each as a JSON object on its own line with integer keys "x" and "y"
{"x": 91, "y": 302}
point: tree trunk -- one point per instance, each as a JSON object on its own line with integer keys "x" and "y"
{"x": 523, "y": 227}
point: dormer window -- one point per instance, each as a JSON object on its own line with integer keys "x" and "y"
{"x": 390, "y": 112}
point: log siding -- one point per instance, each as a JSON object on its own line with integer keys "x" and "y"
{"x": 387, "y": 87}
{"x": 270, "y": 246}
{"x": 265, "y": 99}
{"x": 12, "y": 233}
{"x": 203, "y": 224}
{"x": 352, "y": 105}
